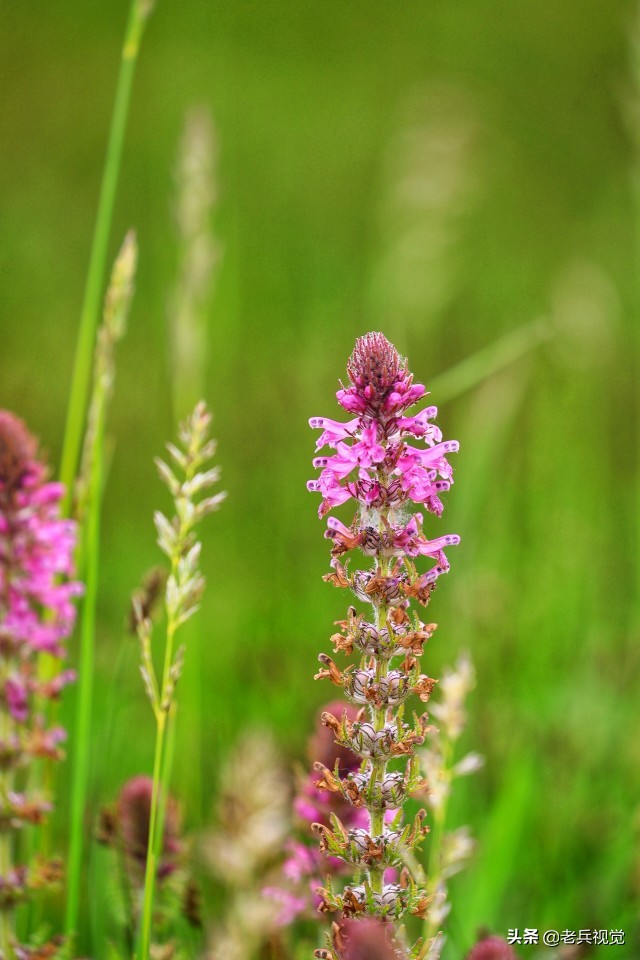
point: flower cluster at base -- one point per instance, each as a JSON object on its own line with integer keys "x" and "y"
{"x": 378, "y": 464}
{"x": 36, "y": 615}
{"x": 305, "y": 865}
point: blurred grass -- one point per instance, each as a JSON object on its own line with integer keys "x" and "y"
{"x": 334, "y": 217}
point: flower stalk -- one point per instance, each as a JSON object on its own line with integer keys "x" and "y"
{"x": 184, "y": 588}
{"x": 139, "y": 12}
{"x": 377, "y": 464}
{"x": 89, "y": 502}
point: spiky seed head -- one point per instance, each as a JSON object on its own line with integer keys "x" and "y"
{"x": 375, "y": 363}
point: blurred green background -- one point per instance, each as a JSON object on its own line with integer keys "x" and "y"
{"x": 448, "y": 173}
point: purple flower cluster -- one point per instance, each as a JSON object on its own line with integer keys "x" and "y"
{"x": 377, "y": 464}
{"x": 387, "y": 461}
{"x": 36, "y": 547}
{"x": 36, "y": 615}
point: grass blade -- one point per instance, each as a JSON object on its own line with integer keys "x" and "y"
{"x": 138, "y": 13}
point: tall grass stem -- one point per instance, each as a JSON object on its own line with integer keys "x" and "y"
{"x": 81, "y": 765}
{"x": 150, "y": 873}
{"x": 76, "y": 411}
{"x": 165, "y": 717}
{"x": 90, "y": 492}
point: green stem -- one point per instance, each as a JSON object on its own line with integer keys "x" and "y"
{"x": 379, "y": 767}
{"x": 76, "y": 411}
{"x": 161, "y": 775}
{"x": 89, "y": 563}
{"x": 163, "y": 759}
{"x": 376, "y": 828}
{"x": 165, "y": 776}
{"x": 150, "y": 871}
{"x": 82, "y": 726}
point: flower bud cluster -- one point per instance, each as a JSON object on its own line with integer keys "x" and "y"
{"x": 37, "y": 614}
{"x": 386, "y": 461}
{"x": 124, "y": 827}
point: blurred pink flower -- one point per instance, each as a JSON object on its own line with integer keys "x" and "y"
{"x": 492, "y": 948}
{"x": 367, "y": 939}
{"x": 134, "y": 809}
{"x": 36, "y": 547}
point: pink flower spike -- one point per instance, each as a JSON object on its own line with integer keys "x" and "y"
{"x": 433, "y": 548}
{"x": 16, "y": 697}
{"x": 334, "y": 431}
{"x": 432, "y": 455}
{"x": 351, "y": 402}
{"x": 336, "y": 526}
{"x": 432, "y": 575}
{"x": 402, "y": 397}
{"x": 342, "y": 535}
{"x": 419, "y": 425}
{"x": 333, "y": 492}
{"x": 410, "y": 541}
{"x": 419, "y": 486}
{"x": 341, "y": 464}
{"x": 373, "y": 451}
{"x": 36, "y": 547}
{"x": 388, "y": 460}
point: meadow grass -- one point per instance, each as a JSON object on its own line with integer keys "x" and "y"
{"x": 76, "y": 424}
{"x": 89, "y": 492}
{"x": 545, "y": 481}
